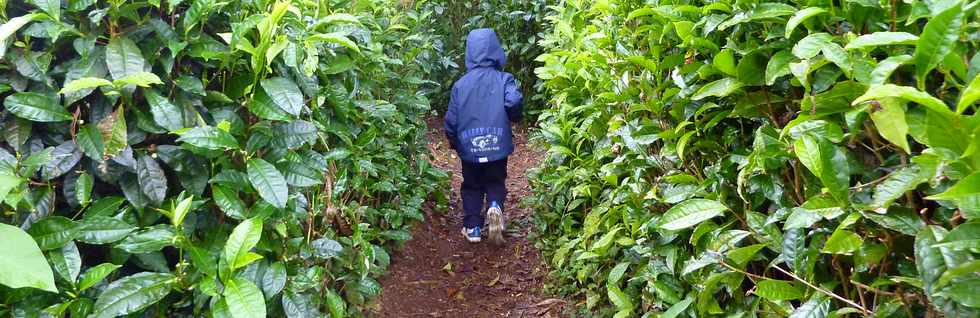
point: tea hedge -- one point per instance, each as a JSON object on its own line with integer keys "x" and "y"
{"x": 744, "y": 158}
{"x": 209, "y": 159}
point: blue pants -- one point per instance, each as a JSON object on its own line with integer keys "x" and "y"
{"x": 482, "y": 181}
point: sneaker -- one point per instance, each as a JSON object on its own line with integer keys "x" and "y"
{"x": 472, "y": 235}
{"x": 495, "y": 223}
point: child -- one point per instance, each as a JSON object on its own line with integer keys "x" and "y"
{"x": 482, "y": 105}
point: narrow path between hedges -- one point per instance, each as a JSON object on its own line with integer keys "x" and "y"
{"x": 439, "y": 274}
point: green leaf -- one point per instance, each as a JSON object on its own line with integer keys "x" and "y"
{"x": 778, "y": 66}
{"x": 83, "y": 188}
{"x": 742, "y": 255}
{"x": 12, "y": 25}
{"x": 152, "y": 180}
{"x": 966, "y": 195}
{"x": 141, "y": 79}
{"x": 63, "y": 158}
{"x": 966, "y": 292}
{"x": 244, "y": 299}
{"x": 324, "y": 248}
{"x": 270, "y": 184}
{"x": 931, "y": 261}
{"x": 209, "y": 137}
{"x": 293, "y": 134}
{"x": 718, "y": 88}
{"x": 900, "y": 219}
{"x": 778, "y": 290}
{"x": 96, "y": 274}
{"x": 965, "y": 269}
{"x": 36, "y": 107}
{"x": 897, "y": 184}
{"x": 886, "y": 67}
{"x": 811, "y": 45}
{"x": 66, "y": 262}
{"x": 297, "y": 305}
{"x": 801, "y": 218}
{"x": 936, "y": 41}
{"x": 263, "y": 107}
{"x": 336, "y": 305}
{"x": 22, "y": 264}
{"x": 800, "y": 16}
{"x": 181, "y": 210}
{"x": 725, "y": 62}
{"x": 969, "y": 95}
{"x": 616, "y": 274}
{"x": 285, "y": 94}
{"x": 336, "y": 38}
{"x": 51, "y": 7}
{"x": 843, "y": 242}
{"x": 963, "y": 237}
{"x": 90, "y": 140}
{"x": 816, "y": 307}
{"x": 890, "y": 121}
{"x": 84, "y": 83}
{"x": 619, "y": 298}
{"x": 690, "y": 213}
{"x": 882, "y": 38}
{"x": 242, "y": 239}
{"x": 151, "y": 239}
{"x": 165, "y": 113}
{"x": 227, "y": 200}
{"x": 133, "y": 293}
{"x": 53, "y": 232}
{"x": 678, "y": 308}
{"x": 826, "y": 161}
{"x": 99, "y": 229}
{"x": 113, "y": 129}
{"x": 123, "y": 58}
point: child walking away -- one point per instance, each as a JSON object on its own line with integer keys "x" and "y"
{"x": 482, "y": 105}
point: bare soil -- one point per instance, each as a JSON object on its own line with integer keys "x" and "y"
{"x": 439, "y": 274}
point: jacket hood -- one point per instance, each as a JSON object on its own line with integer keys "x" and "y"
{"x": 483, "y": 50}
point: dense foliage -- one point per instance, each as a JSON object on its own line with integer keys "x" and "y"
{"x": 518, "y": 23}
{"x": 748, "y": 158}
{"x": 208, "y": 159}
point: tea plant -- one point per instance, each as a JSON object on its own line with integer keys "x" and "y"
{"x": 208, "y": 159}
{"x": 753, "y": 158}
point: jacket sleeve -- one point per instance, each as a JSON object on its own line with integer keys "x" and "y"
{"x": 449, "y": 124}
{"x": 513, "y": 100}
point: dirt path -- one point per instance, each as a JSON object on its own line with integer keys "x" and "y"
{"x": 439, "y": 274}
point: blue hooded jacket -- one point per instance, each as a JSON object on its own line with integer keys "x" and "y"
{"x": 483, "y": 102}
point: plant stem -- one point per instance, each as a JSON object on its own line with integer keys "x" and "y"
{"x": 824, "y": 291}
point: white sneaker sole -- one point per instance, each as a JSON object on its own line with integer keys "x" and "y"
{"x": 495, "y": 226}
{"x": 468, "y": 238}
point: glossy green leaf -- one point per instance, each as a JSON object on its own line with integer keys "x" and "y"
{"x": 22, "y": 264}
{"x": 876, "y": 39}
{"x": 811, "y": 45}
{"x": 98, "y": 229}
{"x": 800, "y": 16}
{"x": 53, "y": 232}
{"x": 141, "y": 79}
{"x": 149, "y": 240}
{"x": 84, "y": 83}
{"x": 969, "y": 96}
{"x": 36, "y": 107}
{"x": 165, "y": 113}
{"x": 209, "y": 137}
{"x": 285, "y": 94}
{"x": 816, "y": 307}
{"x": 270, "y": 184}
{"x": 242, "y": 239}
{"x": 890, "y": 121}
{"x": 966, "y": 194}
{"x": 778, "y": 66}
{"x": 152, "y": 180}
{"x": 244, "y": 299}
{"x": 123, "y": 58}
{"x": 778, "y": 290}
{"x": 14, "y": 24}
{"x": 66, "y": 261}
{"x": 965, "y": 236}
{"x": 719, "y": 88}
{"x": 886, "y": 67}
{"x": 936, "y": 41}
{"x": 133, "y": 293}
{"x": 83, "y": 188}
{"x": 843, "y": 242}
{"x": 690, "y": 213}
{"x": 826, "y": 161}
{"x": 96, "y": 274}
